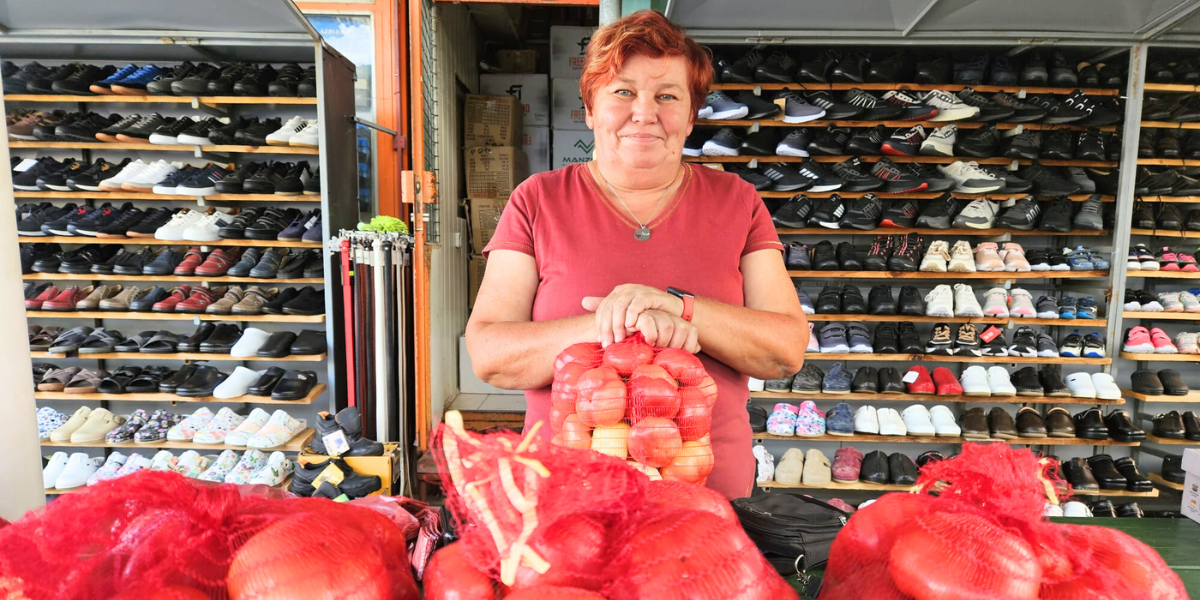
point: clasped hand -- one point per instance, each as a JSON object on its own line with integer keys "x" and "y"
{"x": 631, "y": 308}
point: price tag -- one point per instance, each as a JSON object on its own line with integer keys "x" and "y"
{"x": 342, "y": 498}
{"x": 988, "y": 335}
{"x": 24, "y": 165}
{"x": 335, "y": 443}
{"x": 331, "y": 474}
{"x": 781, "y": 102}
{"x": 911, "y": 377}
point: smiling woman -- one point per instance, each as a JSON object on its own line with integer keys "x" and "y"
{"x": 602, "y": 250}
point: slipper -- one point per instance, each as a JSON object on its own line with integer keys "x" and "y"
{"x": 252, "y": 339}
{"x": 147, "y": 382}
{"x": 44, "y": 338}
{"x": 55, "y": 380}
{"x": 101, "y": 341}
{"x": 135, "y": 343}
{"x": 115, "y": 383}
{"x": 33, "y": 331}
{"x": 69, "y": 340}
{"x": 85, "y": 381}
{"x": 163, "y": 342}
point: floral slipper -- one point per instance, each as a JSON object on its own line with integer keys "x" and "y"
{"x": 156, "y": 428}
{"x": 109, "y": 470}
{"x": 163, "y": 461}
{"x": 49, "y": 420}
{"x": 186, "y": 429}
{"x": 221, "y": 467}
{"x": 252, "y": 461}
{"x": 277, "y": 469}
{"x": 126, "y": 432}
{"x": 191, "y": 464}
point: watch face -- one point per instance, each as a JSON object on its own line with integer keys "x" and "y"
{"x": 678, "y": 292}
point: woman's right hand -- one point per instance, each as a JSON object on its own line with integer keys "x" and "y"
{"x": 665, "y": 330}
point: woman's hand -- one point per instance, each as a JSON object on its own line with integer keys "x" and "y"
{"x": 618, "y": 313}
{"x": 665, "y": 330}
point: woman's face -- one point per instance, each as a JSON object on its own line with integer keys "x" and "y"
{"x": 643, "y": 116}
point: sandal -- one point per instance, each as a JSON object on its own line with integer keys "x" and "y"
{"x": 85, "y": 381}
{"x": 135, "y": 343}
{"x": 44, "y": 338}
{"x": 163, "y": 342}
{"x": 156, "y": 428}
{"x": 147, "y": 382}
{"x": 69, "y": 340}
{"x": 126, "y": 431}
{"x": 57, "y": 379}
{"x": 101, "y": 341}
{"x": 115, "y": 383}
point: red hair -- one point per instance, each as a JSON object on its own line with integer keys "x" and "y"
{"x": 646, "y": 33}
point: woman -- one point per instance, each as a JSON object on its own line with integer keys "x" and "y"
{"x": 586, "y": 253}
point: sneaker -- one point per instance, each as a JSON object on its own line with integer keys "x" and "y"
{"x": 180, "y": 221}
{"x": 940, "y": 341}
{"x": 874, "y": 108}
{"x": 724, "y": 143}
{"x": 965, "y": 304}
{"x": 971, "y": 179}
{"x": 1046, "y": 348}
{"x": 938, "y": 213}
{"x": 936, "y": 257}
{"x": 1024, "y": 343}
{"x": 203, "y": 183}
{"x": 834, "y": 110}
{"x": 940, "y": 142}
{"x": 897, "y": 179}
{"x": 904, "y": 142}
{"x": 794, "y": 213}
{"x": 900, "y": 213}
{"x": 147, "y": 178}
{"x": 961, "y": 258}
{"x": 914, "y": 109}
{"x": 979, "y": 143}
{"x": 833, "y": 339}
{"x": 782, "y": 177}
{"x": 966, "y": 341}
{"x": 1093, "y": 346}
{"x": 939, "y": 302}
{"x": 1161, "y": 342}
{"x": 863, "y": 213}
{"x": 994, "y": 343}
{"x": 995, "y": 303}
{"x": 1021, "y": 215}
{"x": 795, "y": 143}
{"x": 168, "y": 133}
{"x": 950, "y": 107}
{"x": 978, "y": 214}
{"x": 723, "y": 107}
{"x": 798, "y": 110}
{"x": 854, "y": 179}
{"x": 866, "y": 142}
{"x": 207, "y": 227}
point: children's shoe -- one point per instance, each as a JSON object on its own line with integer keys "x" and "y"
{"x": 164, "y": 461}
{"x": 221, "y": 467}
{"x": 1047, "y": 307}
{"x": 1137, "y": 341}
{"x": 766, "y": 464}
{"x": 218, "y": 428}
{"x": 1187, "y": 263}
{"x": 125, "y": 432}
{"x": 1072, "y": 346}
{"x": 191, "y": 464}
{"x": 1168, "y": 260}
{"x": 1131, "y": 261}
{"x": 961, "y": 258}
{"x": 783, "y": 419}
{"x": 1170, "y": 302}
{"x": 186, "y": 429}
{"x": 995, "y": 303}
{"x": 1131, "y": 300}
{"x": 136, "y": 462}
{"x": 994, "y": 343}
{"x": 251, "y": 462}
{"x": 936, "y": 257}
{"x": 1187, "y": 343}
{"x": 1014, "y": 258}
{"x": 965, "y": 304}
{"x": 1098, "y": 260}
{"x": 1066, "y": 308}
{"x": 1078, "y": 261}
{"x": 109, "y": 470}
{"x": 987, "y": 257}
{"x": 1046, "y": 347}
{"x": 254, "y": 422}
{"x": 1057, "y": 260}
{"x": 1087, "y": 308}
{"x": 278, "y": 430}
{"x": 1022, "y": 304}
{"x": 1149, "y": 302}
{"x": 810, "y": 422}
{"x": 966, "y": 342}
{"x": 1145, "y": 258}
{"x": 1162, "y": 342}
{"x": 157, "y": 427}
{"x": 1093, "y": 346}
{"x": 1190, "y": 302}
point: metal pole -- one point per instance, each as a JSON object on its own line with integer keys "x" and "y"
{"x": 610, "y": 11}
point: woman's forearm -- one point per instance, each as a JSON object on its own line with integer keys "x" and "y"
{"x": 520, "y": 355}
{"x": 761, "y": 344}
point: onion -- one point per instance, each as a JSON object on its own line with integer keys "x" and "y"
{"x": 612, "y": 440}
{"x": 575, "y": 434}
{"x": 682, "y": 365}
{"x": 654, "y": 441}
{"x": 693, "y": 463}
{"x": 585, "y": 354}
{"x": 604, "y": 405}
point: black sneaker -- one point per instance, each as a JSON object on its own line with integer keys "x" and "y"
{"x": 294, "y": 179}
{"x": 827, "y": 212}
{"x": 978, "y": 143}
{"x": 935, "y": 180}
{"x": 1023, "y": 112}
{"x": 817, "y": 68}
{"x": 742, "y": 70}
{"x": 162, "y": 84}
{"x": 32, "y": 225}
{"x": 1026, "y": 144}
{"x": 143, "y": 129}
{"x": 233, "y": 182}
{"x": 62, "y": 225}
{"x": 89, "y": 180}
{"x": 1058, "y": 216}
{"x": 831, "y": 142}
{"x": 1045, "y": 182}
{"x": 44, "y": 84}
{"x": 848, "y": 260}
{"x": 1099, "y": 113}
{"x": 1058, "y": 144}
{"x": 236, "y": 229}
{"x": 939, "y": 213}
{"x": 854, "y": 180}
{"x": 1148, "y": 183}
{"x": 904, "y": 142}
{"x": 257, "y": 80}
{"x": 197, "y": 134}
{"x": 170, "y": 185}
{"x": 203, "y": 183}
{"x": 1022, "y": 215}
{"x": 873, "y": 108}
{"x": 795, "y": 143}
{"x": 91, "y": 225}
{"x": 891, "y": 69}
{"x": 47, "y": 165}
{"x": 725, "y": 142}
{"x": 865, "y": 142}
{"x": 308, "y": 84}
{"x": 933, "y": 71}
{"x": 834, "y": 110}
{"x": 863, "y": 213}
{"x": 878, "y": 255}
{"x": 793, "y": 213}
{"x": 851, "y": 69}
{"x": 286, "y": 81}
{"x": 694, "y": 144}
{"x": 754, "y": 178}
{"x": 17, "y": 83}
{"x": 899, "y": 213}
{"x": 1057, "y": 113}
{"x": 81, "y": 80}
{"x": 223, "y": 135}
{"x": 45, "y": 130}
{"x": 822, "y": 179}
{"x": 757, "y": 107}
{"x": 266, "y": 179}
{"x": 222, "y": 84}
{"x": 256, "y": 134}
{"x": 910, "y": 340}
{"x": 907, "y": 253}
{"x": 881, "y": 302}
{"x": 1091, "y": 145}
{"x": 109, "y": 134}
{"x": 896, "y": 180}
{"x": 168, "y": 133}
{"x": 1012, "y": 182}
{"x": 117, "y": 228}
{"x": 57, "y": 179}
{"x": 760, "y": 143}
{"x": 989, "y": 110}
{"x": 155, "y": 218}
{"x": 910, "y": 302}
{"x": 312, "y": 187}
{"x": 823, "y": 257}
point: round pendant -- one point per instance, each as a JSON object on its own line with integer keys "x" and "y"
{"x": 642, "y": 234}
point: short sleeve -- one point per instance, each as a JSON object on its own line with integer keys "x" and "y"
{"x": 762, "y": 234}
{"x": 514, "y": 231}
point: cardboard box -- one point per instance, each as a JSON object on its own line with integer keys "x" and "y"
{"x": 468, "y": 383}
{"x": 485, "y": 216}
{"x": 1190, "y": 506}
{"x": 535, "y": 143}
{"x": 494, "y": 171}
{"x": 567, "y": 47}
{"x": 533, "y": 91}
{"x": 476, "y": 266}
{"x": 566, "y": 105}
{"x": 385, "y": 467}
{"x": 491, "y": 121}
{"x": 572, "y": 147}
{"x": 517, "y": 61}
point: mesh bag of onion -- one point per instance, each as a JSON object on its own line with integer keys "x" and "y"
{"x": 632, "y": 401}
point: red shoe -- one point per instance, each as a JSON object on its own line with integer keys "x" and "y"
{"x": 190, "y": 261}
{"x": 923, "y": 384}
{"x": 199, "y": 300}
{"x": 178, "y": 295}
{"x": 47, "y": 294}
{"x": 67, "y": 299}
{"x": 947, "y": 383}
{"x": 219, "y": 262}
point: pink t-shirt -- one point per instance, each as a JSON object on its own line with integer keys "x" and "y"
{"x": 584, "y": 246}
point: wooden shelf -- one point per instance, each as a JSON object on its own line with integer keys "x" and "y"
{"x": 1115, "y": 493}
{"x": 916, "y": 87}
{"x": 1170, "y": 199}
{"x": 1163, "y": 316}
{"x": 1159, "y": 481}
{"x": 819, "y": 317}
{"x": 926, "y": 195}
{"x": 1170, "y": 162}
{"x": 1155, "y": 357}
{"x": 1172, "y": 233}
{"x": 926, "y": 231}
{"x": 1037, "y": 360}
{"x": 913, "y": 439}
{"x": 139, "y": 241}
{"x": 165, "y": 147}
{"x": 177, "y": 356}
{"x": 81, "y": 196}
{"x": 852, "y": 397}
{"x": 1161, "y": 275}
{"x": 944, "y": 160}
{"x": 1192, "y": 396}
{"x": 858, "y": 486}
{"x": 57, "y": 492}
{"x": 294, "y": 445}
{"x": 172, "y": 398}
{"x": 157, "y": 99}
{"x": 778, "y": 121}
{"x": 1166, "y": 125}
{"x": 170, "y": 278}
{"x": 1171, "y": 87}
{"x": 1150, "y": 437}
{"x": 986, "y": 276}
{"x": 153, "y": 316}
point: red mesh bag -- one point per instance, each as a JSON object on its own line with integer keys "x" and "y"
{"x": 982, "y": 536}
{"x": 160, "y": 535}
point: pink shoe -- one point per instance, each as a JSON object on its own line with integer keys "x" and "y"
{"x": 814, "y": 345}
{"x": 1187, "y": 263}
{"x": 1014, "y": 258}
{"x": 1168, "y": 260}
{"x": 1022, "y": 304}
{"x": 1162, "y": 342}
{"x": 1137, "y": 341}
{"x": 810, "y": 422}
{"x": 847, "y": 464}
{"x": 840, "y": 504}
{"x": 987, "y": 257}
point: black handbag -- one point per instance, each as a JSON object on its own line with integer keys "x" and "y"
{"x": 792, "y": 531}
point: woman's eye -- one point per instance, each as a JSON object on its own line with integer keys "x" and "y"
{"x": 668, "y": 97}
{"x": 624, "y": 92}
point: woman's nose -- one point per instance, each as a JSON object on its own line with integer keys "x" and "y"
{"x": 645, "y": 109}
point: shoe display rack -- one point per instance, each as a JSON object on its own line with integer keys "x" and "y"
{"x": 332, "y": 107}
{"x": 772, "y": 101}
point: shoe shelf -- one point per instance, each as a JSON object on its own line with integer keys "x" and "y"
{"x": 156, "y": 397}
{"x": 916, "y": 439}
{"x": 195, "y": 101}
{"x": 1115, "y": 493}
{"x": 779, "y": 122}
{"x": 169, "y": 278}
{"x": 1175, "y": 233}
{"x": 918, "y": 87}
{"x": 1150, "y": 437}
{"x": 943, "y": 160}
{"x": 1192, "y": 396}
{"x": 1162, "y": 275}
{"x": 148, "y": 241}
{"x": 1161, "y": 357}
{"x": 926, "y": 195}
{"x": 81, "y": 196}
{"x": 1037, "y": 360}
{"x": 296, "y": 444}
{"x": 1166, "y": 125}
{"x": 927, "y": 231}
{"x": 846, "y": 318}
{"x": 1171, "y": 87}
{"x": 1163, "y": 483}
{"x": 994, "y": 276}
{"x": 58, "y": 492}
{"x": 1170, "y": 199}
{"x": 166, "y": 147}
{"x": 177, "y": 356}
{"x": 1163, "y": 316}
{"x": 1169, "y": 162}
{"x": 782, "y": 396}
{"x": 858, "y": 486}
{"x": 172, "y": 316}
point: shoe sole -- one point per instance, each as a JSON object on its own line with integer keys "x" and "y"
{"x": 788, "y": 151}
{"x": 192, "y": 141}
{"x": 163, "y": 140}
{"x": 936, "y": 150}
{"x": 804, "y": 118}
{"x": 954, "y": 114}
{"x": 717, "y": 150}
{"x": 729, "y": 114}
{"x": 304, "y": 145}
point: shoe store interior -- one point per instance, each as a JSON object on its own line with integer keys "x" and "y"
{"x": 253, "y": 258}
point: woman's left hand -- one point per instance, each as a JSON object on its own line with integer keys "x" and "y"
{"x": 665, "y": 330}
{"x": 618, "y": 313}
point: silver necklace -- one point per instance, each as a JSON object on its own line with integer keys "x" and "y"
{"x": 642, "y": 233}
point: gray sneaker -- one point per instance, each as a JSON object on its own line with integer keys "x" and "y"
{"x": 860, "y": 339}
{"x": 1047, "y": 307}
{"x": 837, "y": 380}
{"x": 808, "y": 380}
{"x": 1091, "y": 214}
{"x": 805, "y": 302}
{"x": 798, "y": 110}
{"x": 1046, "y": 347}
{"x": 724, "y": 107}
{"x": 979, "y": 214}
{"x": 1079, "y": 176}
{"x": 779, "y": 386}
{"x": 833, "y": 339}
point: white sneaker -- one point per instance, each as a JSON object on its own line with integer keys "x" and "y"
{"x": 53, "y": 469}
{"x": 944, "y": 422}
{"x": 965, "y": 304}
{"x": 208, "y": 227}
{"x": 936, "y": 257}
{"x": 978, "y": 214}
{"x": 147, "y": 178}
{"x": 131, "y": 170}
{"x": 766, "y": 464}
{"x": 758, "y": 385}
{"x": 283, "y": 135}
{"x": 950, "y": 108}
{"x": 219, "y": 427}
{"x": 974, "y": 381}
{"x": 281, "y": 428}
{"x": 1022, "y": 304}
{"x": 790, "y": 467}
{"x": 970, "y": 178}
{"x": 179, "y": 223}
{"x": 309, "y": 137}
{"x": 866, "y": 420}
{"x": 962, "y": 260}
{"x": 163, "y": 139}
{"x": 917, "y": 421}
{"x": 995, "y": 303}
{"x": 940, "y": 142}
{"x": 254, "y": 422}
{"x": 252, "y": 339}
{"x": 1052, "y": 510}
{"x": 1106, "y": 387}
{"x": 79, "y": 468}
{"x": 939, "y": 302}
{"x": 277, "y": 469}
{"x": 1081, "y": 385}
{"x": 1000, "y": 382}
{"x": 891, "y": 423}
{"x": 1076, "y": 509}
{"x": 1191, "y": 303}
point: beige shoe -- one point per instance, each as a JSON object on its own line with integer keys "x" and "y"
{"x": 64, "y": 431}
{"x": 99, "y": 423}
{"x": 987, "y": 257}
{"x": 816, "y": 469}
{"x": 961, "y": 259}
{"x": 790, "y": 467}
{"x": 1014, "y": 258}
{"x": 104, "y": 292}
{"x": 121, "y": 301}
{"x": 254, "y": 300}
{"x": 936, "y": 257}
{"x": 224, "y": 305}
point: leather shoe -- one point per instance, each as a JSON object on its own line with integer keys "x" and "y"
{"x": 164, "y": 263}
{"x": 1170, "y": 425}
{"x": 875, "y": 468}
{"x": 278, "y": 345}
{"x": 172, "y": 383}
{"x": 201, "y": 383}
{"x": 192, "y": 343}
{"x": 1058, "y": 423}
{"x": 865, "y": 381}
{"x": 1089, "y": 425}
{"x": 222, "y": 339}
{"x": 1079, "y": 475}
{"x": 308, "y": 302}
{"x": 1134, "y": 480}
{"x": 890, "y": 381}
{"x": 974, "y": 424}
{"x": 1030, "y": 424}
{"x": 294, "y": 385}
{"x": 349, "y": 420}
{"x": 309, "y": 342}
{"x": 275, "y": 306}
{"x": 1172, "y": 468}
{"x": 266, "y": 382}
{"x": 1001, "y": 424}
{"x": 1130, "y": 510}
{"x": 902, "y": 470}
{"x": 268, "y": 265}
{"x": 1191, "y": 425}
{"x": 1106, "y": 473}
{"x": 299, "y": 262}
{"x": 1121, "y": 427}
{"x": 1104, "y": 509}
